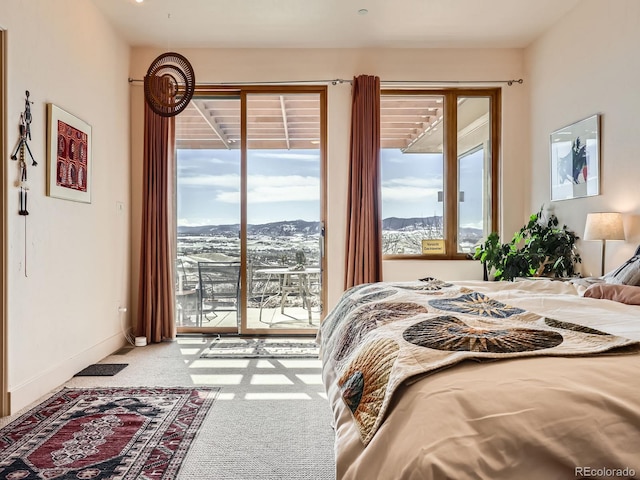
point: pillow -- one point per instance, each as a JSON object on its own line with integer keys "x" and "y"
{"x": 626, "y": 274}
{"x": 628, "y": 294}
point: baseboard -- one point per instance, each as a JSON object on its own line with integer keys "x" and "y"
{"x": 53, "y": 377}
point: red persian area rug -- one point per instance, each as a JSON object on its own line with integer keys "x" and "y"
{"x": 105, "y": 433}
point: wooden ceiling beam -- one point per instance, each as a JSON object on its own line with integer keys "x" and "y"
{"x": 283, "y": 109}
{"x": 212, "y": 123}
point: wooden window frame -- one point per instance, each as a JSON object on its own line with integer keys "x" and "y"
{"x": 450, "y": 167}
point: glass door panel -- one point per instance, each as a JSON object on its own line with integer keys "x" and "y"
{"x": 283, "y": 212}
{"x": 208, "y": 214}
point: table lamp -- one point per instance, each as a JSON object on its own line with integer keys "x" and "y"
{"x": 604, "y": 226}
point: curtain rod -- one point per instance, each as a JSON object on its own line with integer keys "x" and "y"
{"x": 334, "y": 81}
{"x": 450, "y": 82}
{"x": 338, "y": 81}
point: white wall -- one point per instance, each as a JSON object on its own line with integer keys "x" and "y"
{"x": 588, "y": 63}
{"x": 63, "y": 300}
{"x": 239, "y": 65}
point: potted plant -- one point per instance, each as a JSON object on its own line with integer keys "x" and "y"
{"x": 539, "y": 249}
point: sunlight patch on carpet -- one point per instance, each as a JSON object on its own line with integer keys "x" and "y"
{"x": 262, "y": 348}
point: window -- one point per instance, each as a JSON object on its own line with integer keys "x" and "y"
{"x": 439, "y": 159}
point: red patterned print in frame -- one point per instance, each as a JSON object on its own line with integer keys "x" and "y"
{"x": 69, "y": 156}
{"x": 72, "y": 157}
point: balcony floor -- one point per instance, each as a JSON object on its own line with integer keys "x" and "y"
{"x": 271, "y": 318}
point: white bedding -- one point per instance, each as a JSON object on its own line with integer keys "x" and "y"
{"x": 523, "y": 418}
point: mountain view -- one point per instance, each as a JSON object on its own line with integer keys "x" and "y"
{"x": 277, "y": 242}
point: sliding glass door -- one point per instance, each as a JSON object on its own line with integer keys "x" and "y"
{"x": 250, "y": 211}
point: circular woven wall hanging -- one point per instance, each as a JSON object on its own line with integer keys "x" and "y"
{"x": 169, "y": 84}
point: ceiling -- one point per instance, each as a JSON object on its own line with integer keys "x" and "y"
{"x": 277, "y": 121}
{"x": 274, "y": 121}
{"x": 333, "y": 23}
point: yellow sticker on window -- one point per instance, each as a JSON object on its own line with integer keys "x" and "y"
{"x": 431, "y": 247}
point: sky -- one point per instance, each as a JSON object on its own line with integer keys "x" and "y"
{"x": 281, "y": 185}
{"x": 410, "y": 185}
{"x": 285, "y": 185}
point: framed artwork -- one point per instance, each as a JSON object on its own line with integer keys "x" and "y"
{"x": 68, "y": 156}
{"x": 575, "y": 160}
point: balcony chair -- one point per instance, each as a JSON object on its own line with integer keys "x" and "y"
{"x": 219, "y": 288}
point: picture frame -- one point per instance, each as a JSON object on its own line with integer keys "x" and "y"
{"x": 69, "y": 160}
{"x": 575, "y": 160}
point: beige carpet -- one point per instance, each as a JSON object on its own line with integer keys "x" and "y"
{"x": 271, "y": 419}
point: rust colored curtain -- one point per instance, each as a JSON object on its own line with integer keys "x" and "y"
{"x": 157, "y": 253}
{"x": 364, "y": 224}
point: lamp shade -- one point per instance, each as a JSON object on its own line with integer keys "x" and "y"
{"x": 604, "y": 226}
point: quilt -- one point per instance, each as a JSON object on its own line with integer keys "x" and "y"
{"x": 379, "y": 336}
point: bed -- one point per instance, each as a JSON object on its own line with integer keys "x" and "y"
{"x": 488, "y": 380}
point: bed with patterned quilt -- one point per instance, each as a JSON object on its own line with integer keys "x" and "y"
{"x": 532, "y": 379}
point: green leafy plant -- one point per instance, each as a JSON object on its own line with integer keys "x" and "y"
{"x": 539, "y": 249}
